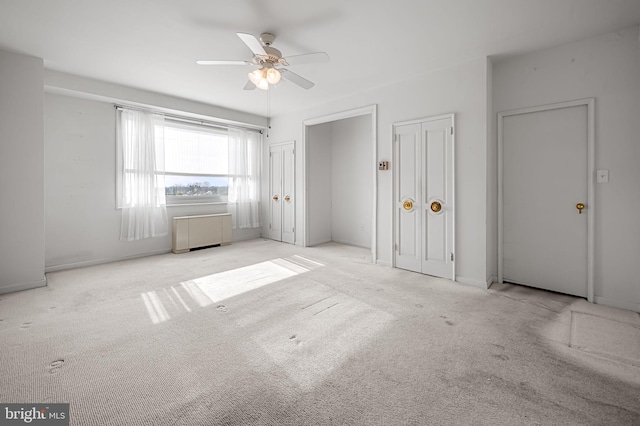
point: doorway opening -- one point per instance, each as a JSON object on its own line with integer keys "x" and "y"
{"x": 340, "y": 179}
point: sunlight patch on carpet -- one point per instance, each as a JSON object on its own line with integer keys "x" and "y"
{"x": 227, "y": 284}
{"x": 155, "y": 308}
{"x": 211, "y": 289}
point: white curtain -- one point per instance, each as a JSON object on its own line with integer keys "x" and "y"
{"x": 141, "y": 192}
{"x": 244, "y": 177}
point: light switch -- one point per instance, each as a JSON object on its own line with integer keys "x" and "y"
{"x": 602, "y": 176}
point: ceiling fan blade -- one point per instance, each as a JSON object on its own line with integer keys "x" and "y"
{"x": 249, "y": 86}
{"x": 252, "y": 43}
{"x": 223, "y": 62}
{"x": 295, "y": 78}
{"x": 307, "y": 58}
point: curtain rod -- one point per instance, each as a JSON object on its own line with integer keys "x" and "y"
{"x": 189, "y": 119}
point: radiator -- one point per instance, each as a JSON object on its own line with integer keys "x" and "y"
{"x": 189, "y": 232}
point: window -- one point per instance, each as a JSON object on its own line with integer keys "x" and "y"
{"x": 196, "y": 163}
{"x": 169, "y": 161}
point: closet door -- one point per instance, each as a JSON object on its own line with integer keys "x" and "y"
{"x": 288, "y": 192}
{"x": 282, "y": 192}
{"x": 275, "y": 192}
{"x": 424, "y": 208}
{"x": 408, "y": 174}
{"x": 437, "y": 207}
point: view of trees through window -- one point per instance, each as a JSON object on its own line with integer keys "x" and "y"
{"x": 197, "y": 186}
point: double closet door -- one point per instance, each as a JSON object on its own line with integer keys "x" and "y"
{"x": 282, "y": 192}
{"x": 424, "y": 208}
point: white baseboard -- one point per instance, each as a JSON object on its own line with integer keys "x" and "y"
{"x": 62, "y": 267}
{"x": 349, "y": 243}
{"x": 74, "y": 265}
{"x": 383, "y": 263}
{"x": 475, "y": 283}
{"x": 620, "y": 304}
{"x": 23, "y": 286}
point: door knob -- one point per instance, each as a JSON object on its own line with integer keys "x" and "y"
{"x": 275, "y": 197}
{"x": 287, "y": 198}
{"x": 579, "y": 206}
{"x": 436, "y": 206}
{"x": 407, "y": 205}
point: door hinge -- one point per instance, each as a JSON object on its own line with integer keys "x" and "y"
{"x": 269, "y": 226}
{"x": 452, "y": 256}
{"x": 452, "y": 130}
{"x": 293, "y": 229}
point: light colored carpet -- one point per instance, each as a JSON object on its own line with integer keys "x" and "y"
{"x": 266, "y": 333}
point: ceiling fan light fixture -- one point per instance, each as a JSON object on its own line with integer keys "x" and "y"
{"x": 263, "y": 84}
{"x": 256, "y": 75}
{"x": 273, "y": 75}
{"x": 264, "y": 76}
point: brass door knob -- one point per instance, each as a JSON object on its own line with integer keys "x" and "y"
{"x": 275, "y": 197}
{"x": 407, "y": 205}
{"x": 436, "y": 207}
{"x": 287, "y": 198}
{"x": 579, "y": 206}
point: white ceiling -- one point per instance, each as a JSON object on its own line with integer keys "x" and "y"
{"x": 153, "y": 44}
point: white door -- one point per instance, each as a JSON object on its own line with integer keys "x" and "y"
{"x": 544, "y": 183}
{"x": 424, "y": 209}
{"x": 408, "y": 175}
{"x": 282, "y": 192}
{"x": 288, "y": 191}
{"x": 275, "y": 192}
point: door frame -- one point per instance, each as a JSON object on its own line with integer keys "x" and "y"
{"x": 394, "y": 160}
{"x": 371, "y": 110}
{"x": 590, "y": 104}
{"x": 292, "y": 142}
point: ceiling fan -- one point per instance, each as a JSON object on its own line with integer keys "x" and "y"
{"x": 270, "y": 63}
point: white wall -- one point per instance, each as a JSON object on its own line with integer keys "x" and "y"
{"x": 21, "y": 173}
{"x": 461, "y": 89}
{"x": 87, "y": 88}
{"x": 319, "y": 184}
{"x": 351, "y": 181}
{"x": 82, "y": 223}
{"x": 607, "y": 68}
{"x": 492, "y": 183}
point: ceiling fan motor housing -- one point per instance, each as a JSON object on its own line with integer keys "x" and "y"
{"x": 273, "y": 55}
{"x": 267, "y": 39}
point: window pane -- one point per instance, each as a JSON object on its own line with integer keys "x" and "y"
{"x": 196, "y": 188}
{"x": 195, "y": 149}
